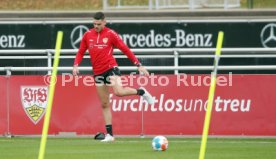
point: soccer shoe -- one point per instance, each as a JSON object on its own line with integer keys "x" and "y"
{"x": 108, "y": 138}
{"x": 147, "y": 96}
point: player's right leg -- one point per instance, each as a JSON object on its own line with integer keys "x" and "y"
{"x": 103, "y": 93}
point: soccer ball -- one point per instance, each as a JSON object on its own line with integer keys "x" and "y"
{"x": 160, "y": 143}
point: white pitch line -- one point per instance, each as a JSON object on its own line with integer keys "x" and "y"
{"x": 170, "y": 141}
{"x": 220, "y": 142}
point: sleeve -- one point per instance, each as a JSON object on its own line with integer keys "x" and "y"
{"x": 118, "y": 42}
{"x": 81, "y": 51}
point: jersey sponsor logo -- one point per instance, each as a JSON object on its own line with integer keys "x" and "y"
{"x": 34, "y": 101}
{"x": 76, "y": 35}
{"x": 90, "y": 46}
{"x": 268, "y": 35}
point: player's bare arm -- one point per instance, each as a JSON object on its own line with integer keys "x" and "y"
{"x": 142, "y": 70}
{"x": 75, "y": 70}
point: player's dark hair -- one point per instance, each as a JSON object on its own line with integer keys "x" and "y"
{"x": 99, "y": 16}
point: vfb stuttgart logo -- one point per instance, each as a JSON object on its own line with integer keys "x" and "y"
{"x": 34, "y": 101}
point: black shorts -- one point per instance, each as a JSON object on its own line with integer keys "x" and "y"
{"x": 104, "y": 77}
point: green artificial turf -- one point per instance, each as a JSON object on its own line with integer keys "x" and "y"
{"x": 137, "y": 148}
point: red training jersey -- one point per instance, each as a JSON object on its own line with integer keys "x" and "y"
{"x": 100, "y": 46}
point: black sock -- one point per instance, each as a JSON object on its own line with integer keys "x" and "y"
{"x": 109, "y": 129}
{"x": 140, "y": 92}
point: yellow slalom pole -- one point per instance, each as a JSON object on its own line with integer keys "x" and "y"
{"x": 51, "y": 97}
{"x": 210, "y": 98}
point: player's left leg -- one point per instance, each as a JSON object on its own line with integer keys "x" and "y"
{"x": 119, "y": 90}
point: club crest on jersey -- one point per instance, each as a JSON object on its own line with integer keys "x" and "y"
{"x": 34, "y": 101}
{"x": 105, "y": 40}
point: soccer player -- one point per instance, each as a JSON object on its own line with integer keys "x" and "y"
{"x": 100, "y": 42}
